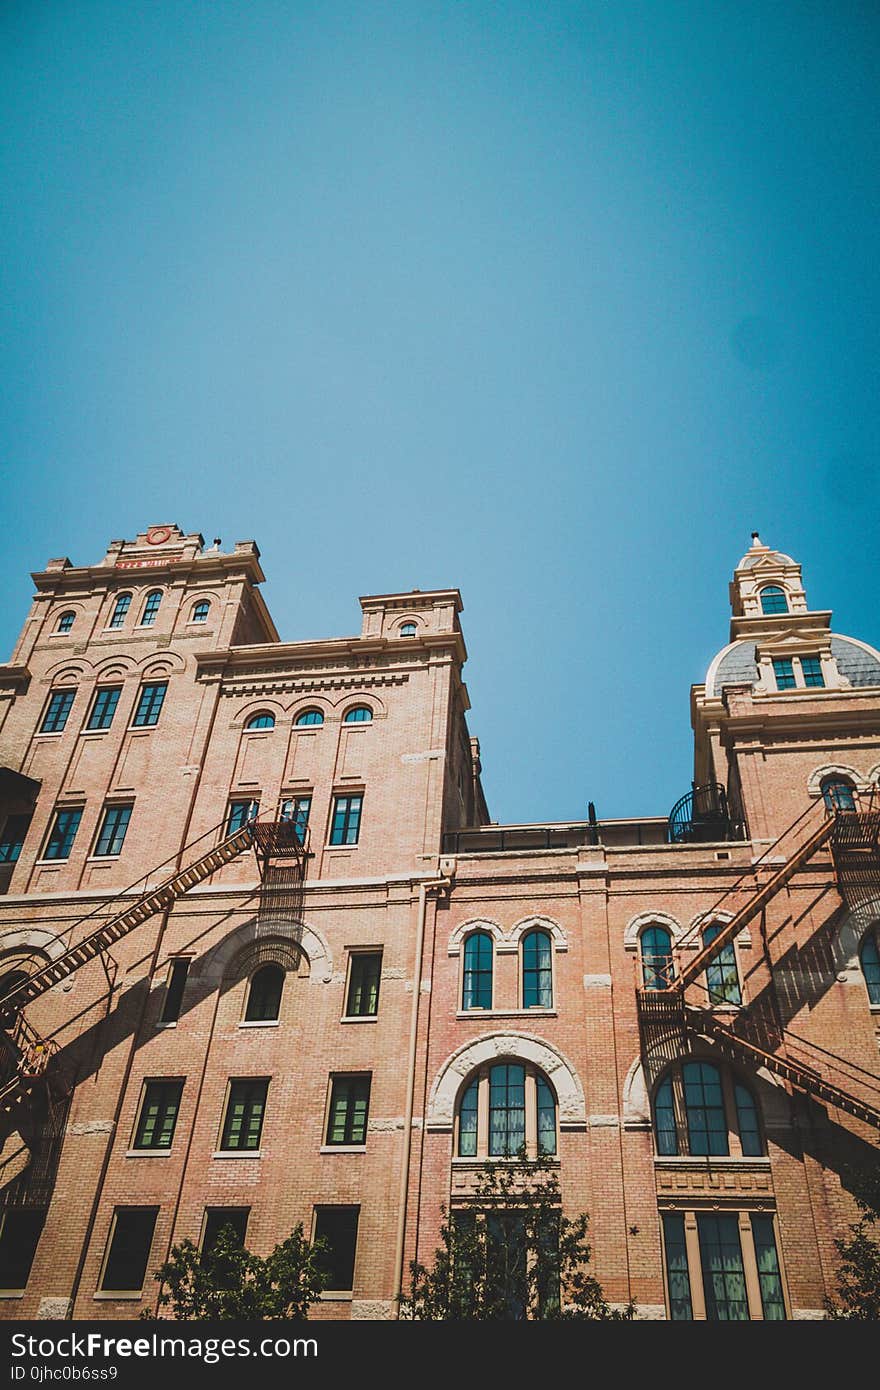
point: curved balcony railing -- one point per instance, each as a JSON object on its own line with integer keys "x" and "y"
{"x": 702, "y": 815}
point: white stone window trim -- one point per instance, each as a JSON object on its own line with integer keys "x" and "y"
{"x": 502, "y": 1046}
{"x": 636, "y": 925}
{"x": 842, "y": 771}
{"x": 506, "y": 942}
{"x": 237, "y": 1153}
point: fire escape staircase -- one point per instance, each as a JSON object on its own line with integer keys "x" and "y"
{"x": 854, "y": 838}
{"x": 271, "y": 841}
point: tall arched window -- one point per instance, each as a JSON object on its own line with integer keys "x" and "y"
{"x": 773, "y": 599}
{"x": 869, "y": 958}
{"x": 263, "y": 720}
{"x": 200, "y": 611}
{"x": 837, "y": 794}
{"x": 264, "y": 995}
{"x": 358, "y": 714}
{"x": 65, "y": 622}
{"x": 722, "y": 976}
{"x": 120, "y": 608}
{"x": 658, "y": 965}
{"x": 309, "y": 716}
{"x": 151, "y": 608}
{"x": 506, "y": 1106}
{"x": 703, "y": 1110}
{"x": 537, "y": 970}
{"x": 477, "y": 984}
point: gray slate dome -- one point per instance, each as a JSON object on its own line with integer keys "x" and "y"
{"x": 737, "y": 666}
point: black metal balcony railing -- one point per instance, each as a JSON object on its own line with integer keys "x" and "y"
{"x": 702, "y": 816}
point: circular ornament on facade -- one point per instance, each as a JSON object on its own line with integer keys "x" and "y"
{"x": 158, "y": 535}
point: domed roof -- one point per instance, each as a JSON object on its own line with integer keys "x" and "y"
{"x": 752, "y": 558}
{"x": 736, "y": 665}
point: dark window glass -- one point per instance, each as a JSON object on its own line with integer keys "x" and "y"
{"x": 363, "y": 985}
{"x": 13, "y": 837}
{"x": 507, "y": 1110}
{"x": 506, "y": 1257}
{"x": 264, "y": 995}
{"x": 161, "y": 1102}
{"x": 537, "y": 971}
{"x": 104, "y": 707}
{"x": 151, "y": 608}
{"x": 769, "y": 1276}
{"x": 338, "y": 1227}
{"x": 722, "y": 976}
{"x": 747, "y": 1121}
{"x": 704, "y": 1104}
{"x": 112, "y": 834}
{"x": 477, "y": 987}
{"x": 677, "y": 1276}
{"x": 773, "y": 600}
{"x": 65, "y": 622}
{"x": 811, "y": 668}
{"x": 870, "y": 961}
{"x": 57, "y": 710}
{"x": 658, "y": 967}
{"x": 297, "y": 808}
{"x": 467, "y": 1120}
{"x": 245, "y": 1108}
{"x": 724, "y": 1282}
{"x": 200, "y": 612}
{"x": 10, "y": 981}
{"x": 218, "y": 1219}
{"x": 784, "y": 671}
{"x": 240, "y": 812}
{"x": 123, "y": 603}
{"x": 546, "y": 1117}
{"x": 838, "y": 795}
{"x": 349, "y": 1105}
{"x": 664, "y": 1118}
{"x": 265, "y": 720}
{"x": 19, "y": 1238}
{"x": 174, "y": 991}
{"x": 150, "y": 703}
{"x": 64, "y": 830}
{"x": 358, "y": 714}
{"x": 309, "y": 716}
{"x": 346, "y": 820}
{"x": 129, "y": 1249}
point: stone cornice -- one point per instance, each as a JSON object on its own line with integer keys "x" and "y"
{"x": 290, "y": 659}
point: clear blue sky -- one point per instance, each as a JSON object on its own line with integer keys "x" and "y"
{"x": 553, "y": 302}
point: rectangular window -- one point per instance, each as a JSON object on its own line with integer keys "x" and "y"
{"x": 363, "y": 984}
{"x": 338, "y": 1226}
{"x": 149, "y": 704}
{"x": 60, "y": 841}
{"x": 57, "y": 710}
{"x": 784, "y": 672}
{"x": 346, "y": 820}
{"x": 174, "y": 990}
{"x": 349, "y": 1106}
{"x": 506, "y": 1258}
{"x": 240, "y": 812}
{"x": 104, "y": 707}
{"x": 19, "y": 1237}
{"x": 296, "y": 809}
{"x": 129, "y": 1249}
{"x": 13, "y": 837}
{"x": 243, "y": 1122}
{"x": 769, "y": 1275}
{"x": 218, "y": 1217}
{"x": 677, "y": 1276}
{"x": 158, "y": 1117}
{"x": 111, "y": 836}
{"x": 811, "y": 667}
{"x": 724, "y": 1280}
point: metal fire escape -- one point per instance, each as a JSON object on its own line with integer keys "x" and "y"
{"x": 668, "y": 1018}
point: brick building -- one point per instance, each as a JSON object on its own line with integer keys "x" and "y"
{"x": 263, "y": 957}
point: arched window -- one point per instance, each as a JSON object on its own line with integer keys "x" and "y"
{"x": 358, "y": 714}
{"x": 869, "y": 958}
{"x": 477, "y": 989}
{"x": 703, "y": 1110}
{"x": 264, "y": 995}
{"x": 151, "y": 608}
{"x": 537, "y": 970}
{"x": 504, "y": 1107}
{"x": 65, "y": 622}
{"x": 309, "y": 716}
{"x": 200, "y": 611}
{"x": 658, "y": 965}
{"x": 837, "y": 793}
{"x": 773, "y": 599}
{"x": 722, "y": 976}
{"x": 120, "y": 608}
{"x": 11, "y": 980}
{"x": 407, "y": 630}
{"x": 263, "y": 720}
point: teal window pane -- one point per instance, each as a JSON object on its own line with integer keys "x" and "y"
{"x": 677, "y": 1275}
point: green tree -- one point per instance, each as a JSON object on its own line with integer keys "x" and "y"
{"x": 510, "y": 1254}
{"x": 858, "y": 1278}
{"x": 230, "y": 1282}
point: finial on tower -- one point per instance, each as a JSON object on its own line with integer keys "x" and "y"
{"x": 756, "y": 540}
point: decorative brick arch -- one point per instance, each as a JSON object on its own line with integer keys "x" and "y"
{"x": 557, "y": 935}
{"x": 22, "y": 941}
{"x": 457, "y": 936}
{"x": 256, "y": 706}
{"x": 312, "y": 943}
{"x": 493, "y": 1047}
{"x": 849, "y": 774}
{"x": 637, "y": 925}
